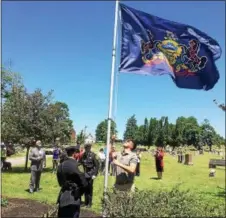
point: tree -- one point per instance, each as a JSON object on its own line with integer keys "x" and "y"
{"x": 191, "y": 132}
{"x": 131, "y": 128}
{"x": 101, "y": 130}
{"x": 14, "y": 114}
{"x": 58, "y": 122}
{"x": 166, "y": 129}
{"x": 81, "y": 138}
{"x": 10, "y": 80}
{"x": 140, "y": 137}
{"x": 186, "y": 131}
{"x": 162, "y": 132}
{"x": 221, "y": 106}
{"x": 208, "y": 133}
{"x": 177, "y": 133}
{"x": 170, "y": 133}
{"x": 152, "y": 132}
{"x": 32, "y": 116}
{"x": 6, "y": 83}
{"x": 146, "y": 130}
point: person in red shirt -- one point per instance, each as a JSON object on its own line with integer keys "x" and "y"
{"x": 81, "y": 153}
{"x": 78, "y": 155}
{"x": 159, "y": 162}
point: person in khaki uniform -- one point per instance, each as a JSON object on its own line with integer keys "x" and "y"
{"x": 126, "y": 163}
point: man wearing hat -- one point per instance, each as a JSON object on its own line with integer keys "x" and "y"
{"x": 91, "y": 167}
{"x": 71, "y": 179}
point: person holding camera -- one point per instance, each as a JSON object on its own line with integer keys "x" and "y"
{"x": 159, "y": 162}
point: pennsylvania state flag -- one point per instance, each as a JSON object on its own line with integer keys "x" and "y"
{"x": 154, "y": 46}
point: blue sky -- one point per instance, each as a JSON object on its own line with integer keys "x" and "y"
{"x": 67, "y": 46}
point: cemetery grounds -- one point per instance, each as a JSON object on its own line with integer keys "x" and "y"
{"x": 195, "y": 178}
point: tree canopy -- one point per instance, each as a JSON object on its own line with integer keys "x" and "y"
{"x": 160, "y": 132}
{"x": 32, "y": 115}
{"x": 101, "y": 130}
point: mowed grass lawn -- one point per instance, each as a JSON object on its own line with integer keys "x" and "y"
{"x": 196, "y": 178}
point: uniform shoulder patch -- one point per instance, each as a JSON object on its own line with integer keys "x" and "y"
{"x": 81, "y": 169}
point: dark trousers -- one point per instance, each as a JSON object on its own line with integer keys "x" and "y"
{"x": 113, "y": 169}
{"x": 70, "y": 211}
{"x": 89, "y": 193}
{"x": 138, "y": 169}
{"x": 55, "y": 165}
{"x": 102, "y": 166}
{"x": 109, "y": 166}
{"x": 35, "y": 179}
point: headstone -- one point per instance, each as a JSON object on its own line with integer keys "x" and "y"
{"x": 201, "y": 152}
{"x": 179, "y": 158}
{"x": 212, "y": 173}
{"x": 196, "y": 153}
{"x": 188, "y": 159}
{"x": 182, "y": 158}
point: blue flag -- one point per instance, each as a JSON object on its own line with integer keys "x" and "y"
{"x": 154, "y": 46}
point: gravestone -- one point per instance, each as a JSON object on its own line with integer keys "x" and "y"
{"x": 179, "y": 158}
{"x": 196, "y": 153}
{"x": 212, "y": 173}
{"x": 188, "y": 159}
{"x": 201, "y": 152}
{"x": 182, "y": 158}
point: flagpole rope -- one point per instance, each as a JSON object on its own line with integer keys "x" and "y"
{"x": 116, "y": 82}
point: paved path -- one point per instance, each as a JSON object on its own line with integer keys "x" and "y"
{"x": 15, "y": 161}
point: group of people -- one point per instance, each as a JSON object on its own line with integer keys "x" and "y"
{"x": 76, "y": 169}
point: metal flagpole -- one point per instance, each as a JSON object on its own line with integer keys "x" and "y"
{"x": 111, "y": 96}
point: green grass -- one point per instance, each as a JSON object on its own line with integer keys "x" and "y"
{"x": 196, "y": 178}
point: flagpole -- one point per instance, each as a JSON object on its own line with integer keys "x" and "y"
{"x": 111, "y": 96}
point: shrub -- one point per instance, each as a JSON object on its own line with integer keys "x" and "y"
{"x": 4, "y": 202}
{"x": 150, "y": 203}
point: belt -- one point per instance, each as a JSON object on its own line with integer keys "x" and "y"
{"x": 125, "y": 183}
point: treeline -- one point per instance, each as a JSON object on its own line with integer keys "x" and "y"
{"x": 31, "y": 115}
{"x": 160, "y": 132}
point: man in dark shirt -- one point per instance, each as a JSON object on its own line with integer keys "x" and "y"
{"x": 73, "y": 184}
{"x": 91, "y": 166}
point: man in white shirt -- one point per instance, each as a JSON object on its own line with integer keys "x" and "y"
{"x": 102, "y": 157}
